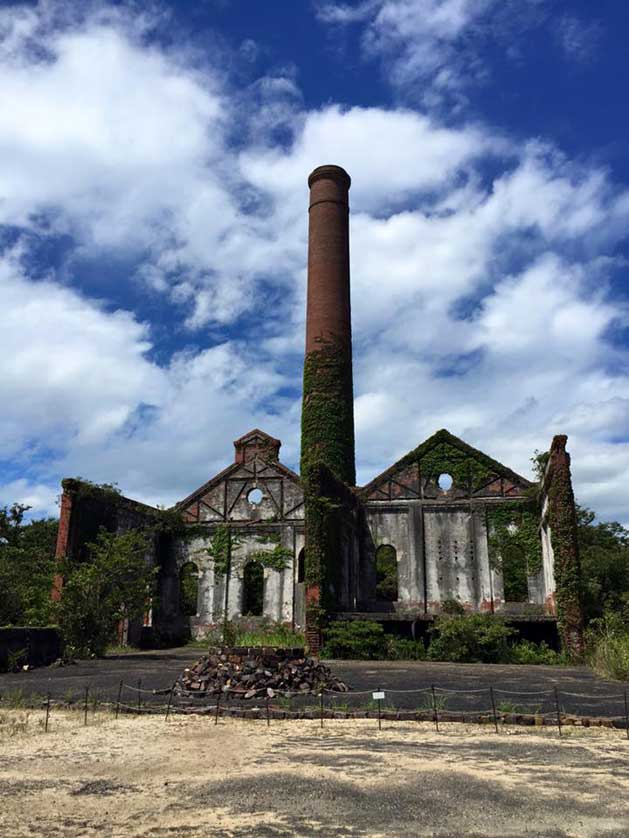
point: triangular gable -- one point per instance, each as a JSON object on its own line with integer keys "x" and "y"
{"x": 222, "y": 496}
{"x": 415, "y": 475}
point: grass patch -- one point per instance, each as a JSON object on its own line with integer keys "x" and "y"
{"x": 607, "y": 644}
{"x": 250, "y": 632}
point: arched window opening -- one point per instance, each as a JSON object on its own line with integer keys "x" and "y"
{"x": 386, "y": 573}
{"x": 253, "y": 589}
{"x": 189, "y": 589}
{"x": 514, "y": 573}
{"x": 301, "y": 566}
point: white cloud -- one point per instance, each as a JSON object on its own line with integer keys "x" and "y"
{"x": 420, "y": 41}
{"x": 480, "y": 302}
{"x": 69, "y": 371}
{"x": 435, "y": 51}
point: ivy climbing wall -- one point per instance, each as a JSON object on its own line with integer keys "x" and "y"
{"x": 475, "y": 539}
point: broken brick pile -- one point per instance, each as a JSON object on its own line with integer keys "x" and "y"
{"x": 254, "y": 672}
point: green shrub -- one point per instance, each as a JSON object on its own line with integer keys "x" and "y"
{"x": 354, "y": 639}
{"x": 472, "y": 638}
{"x": 112, "y": 584}
{"x": 251, "y": 631}
{"x": 401, "y": 649}
{"x": 607, "y": 646}
{"x": 526, "y": 652}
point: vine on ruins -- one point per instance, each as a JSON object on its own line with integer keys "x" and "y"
{"x": 514, "y": 524}
{"x": 327, "y": 422}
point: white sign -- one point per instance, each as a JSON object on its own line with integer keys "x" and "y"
{"x": 378, "y": 696}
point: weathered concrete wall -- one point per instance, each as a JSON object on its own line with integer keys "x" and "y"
{"x": 279, "y": 585}
{"x": 442, "y": 554}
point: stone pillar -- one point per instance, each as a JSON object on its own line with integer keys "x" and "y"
{"x": 63, "y": 538}
{"x": 562, "y": 519}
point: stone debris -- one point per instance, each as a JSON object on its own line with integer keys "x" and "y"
{"x": 256, "y": 672}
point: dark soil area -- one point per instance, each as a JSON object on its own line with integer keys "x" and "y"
{"x": 458, "y": 686}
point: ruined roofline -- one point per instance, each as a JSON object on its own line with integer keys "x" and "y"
{"x": 73, "y": 485}
{"x": 287, "y": 472}
{"x": 443, "y": 436}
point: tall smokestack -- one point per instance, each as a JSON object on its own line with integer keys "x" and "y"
{"x": 328, "y": 396}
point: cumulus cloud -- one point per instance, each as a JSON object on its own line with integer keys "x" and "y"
{"x": 481, "y": 267}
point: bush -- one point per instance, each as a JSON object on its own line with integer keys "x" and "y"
{"x": 526, "y": 652}
{"x": 401, "y": 649}
{"x": 472, "y": 638}
{"x": 113, "y": 584}
{"x": 607, "y": 646}
{"x": 354, "y": 639}
{"x": 251, "y": 631}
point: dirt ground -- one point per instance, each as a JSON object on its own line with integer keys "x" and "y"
{"x": 188, "y": 777}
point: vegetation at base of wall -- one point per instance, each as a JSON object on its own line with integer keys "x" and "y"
{"x": 27, "y": 568}
{"x": 248, "y": 631}
{"x": 607, "y": 646}
{"x": 469, "y": 638}
{"x": 527, "y": 652}
{"x": 113, "y": 584}
{"x": 354, "y": 639}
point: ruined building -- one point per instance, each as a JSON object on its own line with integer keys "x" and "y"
{"x": 445, "y": 524}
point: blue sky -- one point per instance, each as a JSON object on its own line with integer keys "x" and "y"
{"x": 153, "y": 166}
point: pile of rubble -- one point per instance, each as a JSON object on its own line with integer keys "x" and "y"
{"x": 255, "y": 672}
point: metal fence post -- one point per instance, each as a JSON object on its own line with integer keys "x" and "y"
{"x": 48, "y": 712}
{"x": 87, "y": 691}
{"x": 321, "y": 706}
{"x": 626, "y": 715}
{"x": 218, "y": 704}
{"x": 557, "y": 709}
{"x": 379, "y": 712}
{"x": 170, "y": 699}
{"x": 493, "y": 707}
{"x": 118, "y": 700}
{"x": 268, "y": 715}
{"x": 139, "y": 695}
{"x": 434, "y": 708}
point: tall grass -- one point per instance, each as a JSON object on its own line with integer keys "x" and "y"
{"x": 246, "y": 631}
{"x": 607, "y": 643}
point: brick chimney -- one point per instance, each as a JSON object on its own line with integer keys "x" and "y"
{"x": 328, "y": 397}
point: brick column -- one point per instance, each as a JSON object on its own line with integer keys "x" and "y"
{"x": 328, "y": 397}
{"x": 63, "y": 538}
{"x": 562, "y": 519}
{"x": 327, "y": 418}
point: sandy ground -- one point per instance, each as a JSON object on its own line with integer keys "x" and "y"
{"x": 148, "y": 777}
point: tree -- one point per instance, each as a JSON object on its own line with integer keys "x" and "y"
{"x": 112, "y": 585}
{"x": 27, "y": 567}
{"x": 604, "y": 553}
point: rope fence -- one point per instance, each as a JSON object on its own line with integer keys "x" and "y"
{"x": 548, "y": 707}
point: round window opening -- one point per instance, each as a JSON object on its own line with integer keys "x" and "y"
{"x": 444, "y": 481}
{"x": 254, "y": 497}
